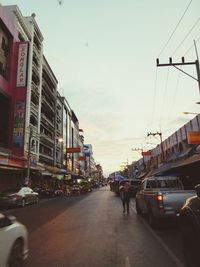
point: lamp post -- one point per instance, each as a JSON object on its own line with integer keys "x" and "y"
{"x": 192, "y": 113}
{"x": 29, "y": 157}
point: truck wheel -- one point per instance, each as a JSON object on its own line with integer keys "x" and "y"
{"x": 151, "y": 219}
{"x": 138, "y": 210}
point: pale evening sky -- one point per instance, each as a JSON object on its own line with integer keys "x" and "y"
{"x": 103, "y": 54}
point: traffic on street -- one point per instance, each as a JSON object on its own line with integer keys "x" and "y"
{"x": 99, "y": 133}
{"x": 91, "y": 230}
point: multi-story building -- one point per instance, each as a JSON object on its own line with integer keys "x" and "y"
{"x": 32, "y": 119}
{"x": 37, "y": 125}
{"x": 177, "y": 154}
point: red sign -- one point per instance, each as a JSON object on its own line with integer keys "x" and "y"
{"x": 82, "y": 158}
{"x": 146, "y": 153}
{"x": 73, "y": 150}
{"x": 193, "y": 137}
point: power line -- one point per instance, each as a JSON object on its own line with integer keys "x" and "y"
{"x": 175, "y": 29}
{"x": 186, "y": 36}
{"x": 192, "y": 46}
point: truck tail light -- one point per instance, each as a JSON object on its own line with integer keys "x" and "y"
{"x": 160, "y": 200}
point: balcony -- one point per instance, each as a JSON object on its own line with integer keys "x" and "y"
{"x": 46, "y": 121}
{"x": 36, "y": 49}
{"x": 34, "y": 88}
{"x": 34, "y": 109}
{"x": 46, "y": 103}
{"x": 46, "y": 139}
{"x": 45, "y": 156}
{"x": 35, "y": 68}
{"x": 47, "y": 88}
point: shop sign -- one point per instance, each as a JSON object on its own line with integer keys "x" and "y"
{"x": 82, "y": 158}
{"x": 22, "y": 64}
{"x": 193, "y": 138}
{"x": 73, "y": 150}
{"x": 146, "y": 153}
{"x": 18, "y": 131}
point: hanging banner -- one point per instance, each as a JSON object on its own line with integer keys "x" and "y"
{"x": 73, "y": 150}
{"x": 22, "y": 64}
{"x": 193, "y": 138}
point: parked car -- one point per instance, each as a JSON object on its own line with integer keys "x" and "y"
{"x": 190, "y": 229}
{"x": 161, "y": 197}
{"x": 18, "y": 196}
{"x": 14, "y": 242}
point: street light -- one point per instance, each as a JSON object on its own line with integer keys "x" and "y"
{"x": 194, "y": 113}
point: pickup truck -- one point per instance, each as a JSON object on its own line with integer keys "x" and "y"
{"x": 161, "y": 197}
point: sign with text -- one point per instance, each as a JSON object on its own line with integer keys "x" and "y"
{"x": 22, "y": 64}
{"x": 193, "y": 138}
{"x": 73, "y": 150}
{"x": 18, "y": 130}
{"x": 82, "y": 158}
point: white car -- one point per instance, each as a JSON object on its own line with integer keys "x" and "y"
{"x": 13, "y": 242}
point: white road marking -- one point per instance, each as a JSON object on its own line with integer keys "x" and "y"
{"x": 127, "y": 262}
{"x": 165, "y": 247}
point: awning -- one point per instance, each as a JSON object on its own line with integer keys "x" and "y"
{"x": 177, "y": 164}
{"x": 10, "y": 168}
{"x": 46, "y": 173}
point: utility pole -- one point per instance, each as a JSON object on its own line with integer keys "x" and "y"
{"x": 196, "y": 63}
{"x": 140, "y": 149}
{"x": 161, "y": 143}
{"x": 29, "y": 158}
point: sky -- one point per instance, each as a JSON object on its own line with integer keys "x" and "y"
{"x": 103, "y": 54}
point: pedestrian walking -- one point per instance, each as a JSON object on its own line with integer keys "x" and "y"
{"x": 125, "y": 197}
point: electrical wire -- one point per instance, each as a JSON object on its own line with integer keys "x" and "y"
{"x": 175, "y": 29}
{"x": 188, "y": 50}
{"x": 154, "y": 97}
{"x": 186, "y": 36}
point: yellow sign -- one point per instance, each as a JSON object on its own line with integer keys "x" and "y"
{"x": 193, "y": 138}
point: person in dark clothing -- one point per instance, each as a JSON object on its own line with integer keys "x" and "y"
{"x": 125, "y": 197}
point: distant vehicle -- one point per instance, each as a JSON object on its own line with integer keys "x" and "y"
{"x": 44, "y": 192}
{"x": 190, "y": 229}
{"x": 18, "y": 196}
{"x": 114, "y": 186}
{"x": 161, "y": 197}
{"x": 14, "y": 242}
{"x": 134, "y": 185}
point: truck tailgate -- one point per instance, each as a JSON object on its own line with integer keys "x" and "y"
{"x": 174, "y": 200}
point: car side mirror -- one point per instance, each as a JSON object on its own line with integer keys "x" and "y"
{"x": 197, "y": 188}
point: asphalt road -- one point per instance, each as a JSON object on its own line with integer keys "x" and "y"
{"x": 92, "y": 231}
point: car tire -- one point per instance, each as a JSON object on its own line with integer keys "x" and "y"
{"x": 16, "y": 255}
{"x": 23, "y": 203}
